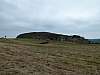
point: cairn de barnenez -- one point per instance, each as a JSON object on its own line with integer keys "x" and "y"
{"x": 53, "y": 37}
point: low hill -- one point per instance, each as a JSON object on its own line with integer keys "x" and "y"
{"x": 53, "y": 36}
{"x": 97, "y": 41}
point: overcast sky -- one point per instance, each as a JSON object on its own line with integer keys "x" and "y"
{"x": 80, "y": 17}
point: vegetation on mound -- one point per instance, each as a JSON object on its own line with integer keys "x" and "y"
{"x": 53, "y": 36}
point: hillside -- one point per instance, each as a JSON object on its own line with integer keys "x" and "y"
{"x": 26, "y": 57}
{"x": 53, "y": 36}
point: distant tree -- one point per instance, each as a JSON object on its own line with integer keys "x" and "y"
{"x": 5, "y": 36}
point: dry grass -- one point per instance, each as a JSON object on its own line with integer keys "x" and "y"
{"x": 27, "y": 57}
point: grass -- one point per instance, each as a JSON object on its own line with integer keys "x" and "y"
{"x": 28, "y": 57}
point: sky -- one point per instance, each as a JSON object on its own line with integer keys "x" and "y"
{"x": 70, "y": 17}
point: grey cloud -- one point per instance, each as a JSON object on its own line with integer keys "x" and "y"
{"x": 61, "y": 16}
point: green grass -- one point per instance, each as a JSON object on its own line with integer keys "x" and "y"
{"x": 28, "y": 57}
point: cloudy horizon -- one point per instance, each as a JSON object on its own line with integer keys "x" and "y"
{"x": 80, "y": 17}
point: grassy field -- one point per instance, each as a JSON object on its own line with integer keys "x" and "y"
{"x": 28, "y": 57}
